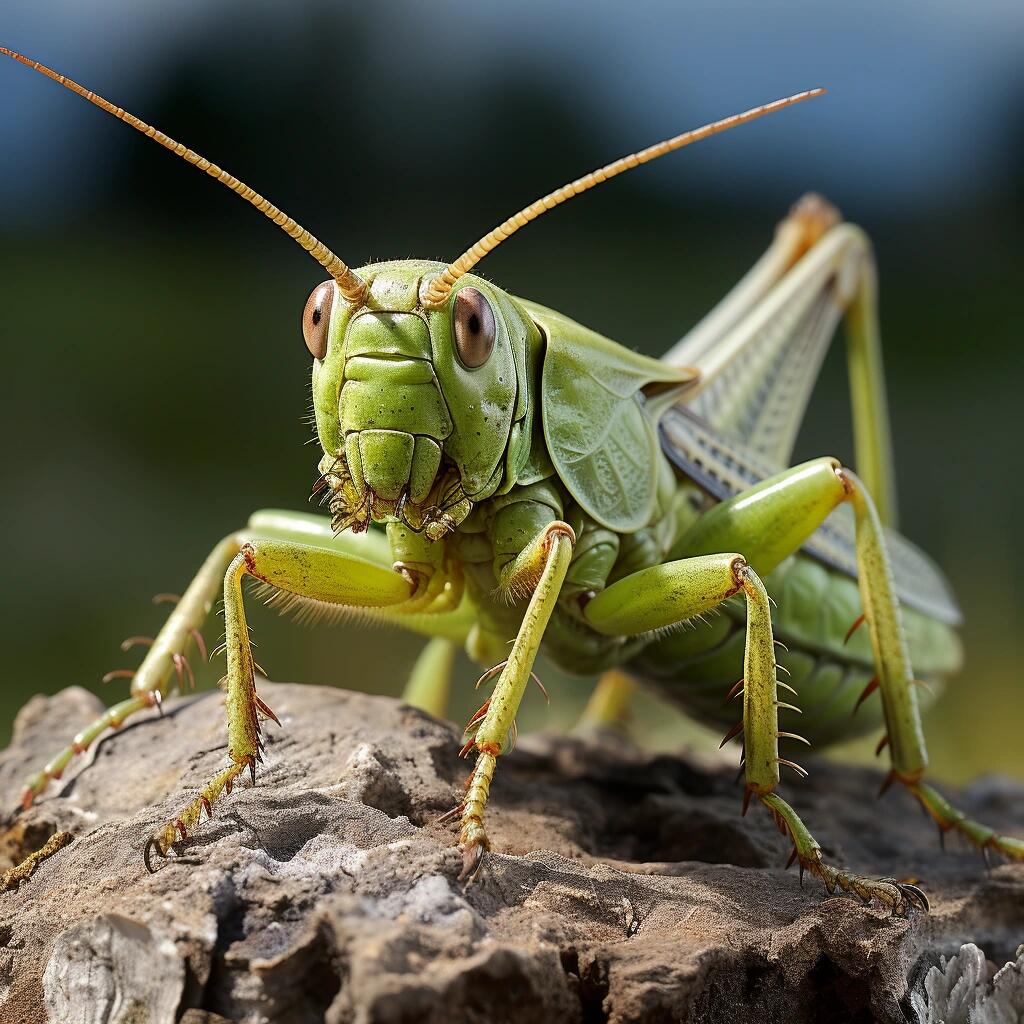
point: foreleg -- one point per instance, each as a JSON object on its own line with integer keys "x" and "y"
{"x": 542, "y": 568}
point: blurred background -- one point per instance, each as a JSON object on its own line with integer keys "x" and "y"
{"x": 154, "y": 387}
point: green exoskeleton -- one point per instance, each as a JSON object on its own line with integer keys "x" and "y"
{"x": 503, "y": 479}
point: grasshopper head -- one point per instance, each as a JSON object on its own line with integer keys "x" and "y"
{"x": 421, "y": 411}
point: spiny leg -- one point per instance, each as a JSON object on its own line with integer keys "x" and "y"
{"x": 769, "y": 522}
{"x": 897, "y": 895}
{"x": 896, "y": 683}
{"x": 162, "y": 667}
{"x": 668, "y": 594}
{"x": 309, "y": 573}
{"x": 166, "y": 664}
{"x": 948, "y": 818}
{"x": 542, "y": 566}
{"x": 760, "y": 739}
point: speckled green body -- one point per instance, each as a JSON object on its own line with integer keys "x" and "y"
{"x": 516, "y": 491}
{"x": 542, "y": 487}
{"x": 389, "y": 378}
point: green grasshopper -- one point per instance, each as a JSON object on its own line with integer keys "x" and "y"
{"x": 542, "y": 487}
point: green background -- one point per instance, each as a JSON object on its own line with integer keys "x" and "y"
{"x": 154, "y": 387}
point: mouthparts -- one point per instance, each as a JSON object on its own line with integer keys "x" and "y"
{"x": 354, "y": 508}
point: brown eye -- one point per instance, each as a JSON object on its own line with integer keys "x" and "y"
{"x": 474, "y": 328}
{"x": 316, "y": 318}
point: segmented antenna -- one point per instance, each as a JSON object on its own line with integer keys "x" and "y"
{"x": 350, "y": 284}
{"x": 440, "y": 287}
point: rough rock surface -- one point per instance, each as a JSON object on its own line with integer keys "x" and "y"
{"x": 627, "y": 888}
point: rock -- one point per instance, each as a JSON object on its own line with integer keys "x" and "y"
{"x": 112, "y": 969}
{"x": 625, "y": 887}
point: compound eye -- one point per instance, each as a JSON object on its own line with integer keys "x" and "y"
{"x": 474, "y": 328}
{"x": 316, "y": 318}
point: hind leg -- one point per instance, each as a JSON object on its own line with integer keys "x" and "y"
{"x": 904, "y": 734}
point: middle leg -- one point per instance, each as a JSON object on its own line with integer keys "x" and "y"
{"x": 768, "y": 523}
{"x": 665, "y": 595}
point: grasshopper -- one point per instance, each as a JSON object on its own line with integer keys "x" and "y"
{"x": 503, "y": 479}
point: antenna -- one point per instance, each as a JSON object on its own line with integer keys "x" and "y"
{"x": 350, "y": 284}
{"x": 440, "y": 287}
